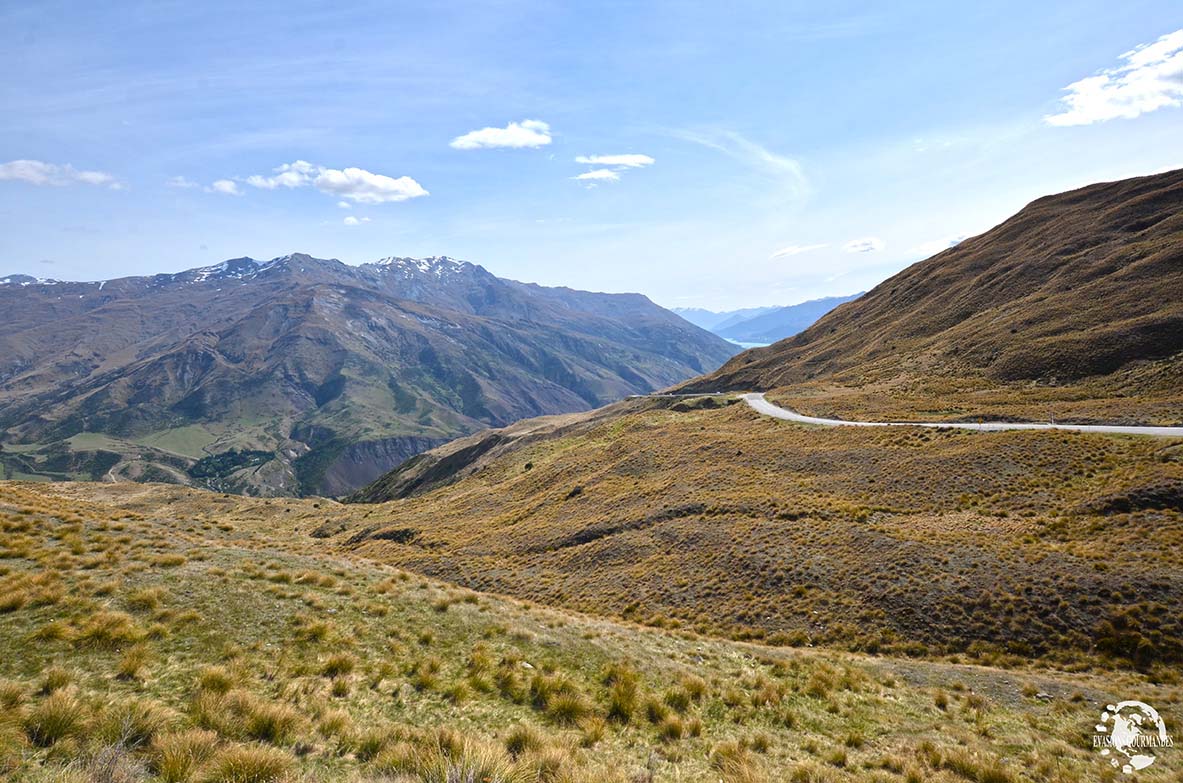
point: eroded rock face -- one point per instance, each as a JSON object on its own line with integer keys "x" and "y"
{"x": 361, "y": 463}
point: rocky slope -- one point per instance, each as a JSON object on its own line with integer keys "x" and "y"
{"x": 337, "y": 372}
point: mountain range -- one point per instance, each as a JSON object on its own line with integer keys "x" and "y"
{"x": 301, "y": 375}
{"x": 763, "y": 325}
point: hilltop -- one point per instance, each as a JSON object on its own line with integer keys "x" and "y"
{"x": 308, "y": 376}
{"x": 1079, "y": 295}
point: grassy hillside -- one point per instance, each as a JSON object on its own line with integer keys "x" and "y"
{"x": 1080, "y": 293}
{"x": 165, "y": 634}
{"x": 1055, "y": 545}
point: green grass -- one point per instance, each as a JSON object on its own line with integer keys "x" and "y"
{"x": 190, "y": 441}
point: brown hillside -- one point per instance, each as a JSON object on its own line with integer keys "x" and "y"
{"x": 724, "y": 521}
{"x": 1076, "y": 285}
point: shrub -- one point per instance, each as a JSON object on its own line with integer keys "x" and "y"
{"x": 249, "y": 764}
{"x": 58, "y": 716}
{"x": 175, "y": 757}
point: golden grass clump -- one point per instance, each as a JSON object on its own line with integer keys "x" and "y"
{"x": 176, "y": 756}
{"x": 134, "y": 722}
{"x": 248, "y": 764}
{"x": 215, "y": 679}
{"x": 338, "y": 665}
{"x": 108, "y": 629}
{"x": 53, "y": 719}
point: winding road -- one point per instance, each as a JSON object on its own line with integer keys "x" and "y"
{"x": 757, "y": 403}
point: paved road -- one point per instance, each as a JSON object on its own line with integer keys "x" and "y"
{"x": 761, "y": 405}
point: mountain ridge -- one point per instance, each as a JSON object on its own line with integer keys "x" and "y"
{"x": 1074, "y": 285}
{"x": 312, "y": 359}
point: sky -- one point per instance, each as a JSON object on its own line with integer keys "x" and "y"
{"x": 706, "y": 154}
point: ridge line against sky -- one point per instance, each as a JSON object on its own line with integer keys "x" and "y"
{"x": 719, "y": 168}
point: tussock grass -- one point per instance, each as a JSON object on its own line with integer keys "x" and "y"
{"x": 504, "y": 689}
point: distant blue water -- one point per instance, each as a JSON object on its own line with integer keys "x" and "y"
{"x": 746, "y": 345}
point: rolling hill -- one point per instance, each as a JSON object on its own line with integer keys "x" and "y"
{"x": 694, "y": 512}
{"x": 301, "y": 375}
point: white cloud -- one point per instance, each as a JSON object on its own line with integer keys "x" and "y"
{"x": 182, "y": 183}
{"x": 629, "y": 161}
{"x": 931, "y": 248}
{"x": 796, "y": 250}
{"x": 344, "y": 205}
{"x": 36, "y": 172}
{"x": 226, "y": 186}
{"x": 600, "y": 175}
{"x": 355, "y": 221}
{"x": 350, "y": 184}
{"x": 366, "y": 187}
{"x": 1151, "y": 78}
{"x": 289, "y": 175}
{"x": 527, "y": 133}
{"x": 864, "y": 245}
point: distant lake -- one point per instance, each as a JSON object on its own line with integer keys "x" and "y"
{"x": 746, "y": 345}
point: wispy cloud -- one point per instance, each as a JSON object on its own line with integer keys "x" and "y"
{"x": 611, "y": 166}
{"x": 598, "y": 175}
{"x": 932, "y": 247}
{"x": 628, "y": 161}
{"x": 181, "y": 183}
{"x": 796, "y": 250}
{"x": 527, "y": 133}
{"x": 352, "y": 184}
{"x": 37, "y": 172}
{"x": 864, "y": 245}
{"x": 783, "y": 169}
{"x": 355, "y": 221}
{"x": 1150, "y": 78}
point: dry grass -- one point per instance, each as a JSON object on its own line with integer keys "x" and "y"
{"x": 914, "y": 542}
{"x": 219, "y": 681}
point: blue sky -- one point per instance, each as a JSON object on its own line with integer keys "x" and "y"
{"x": 740, "y": 153}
